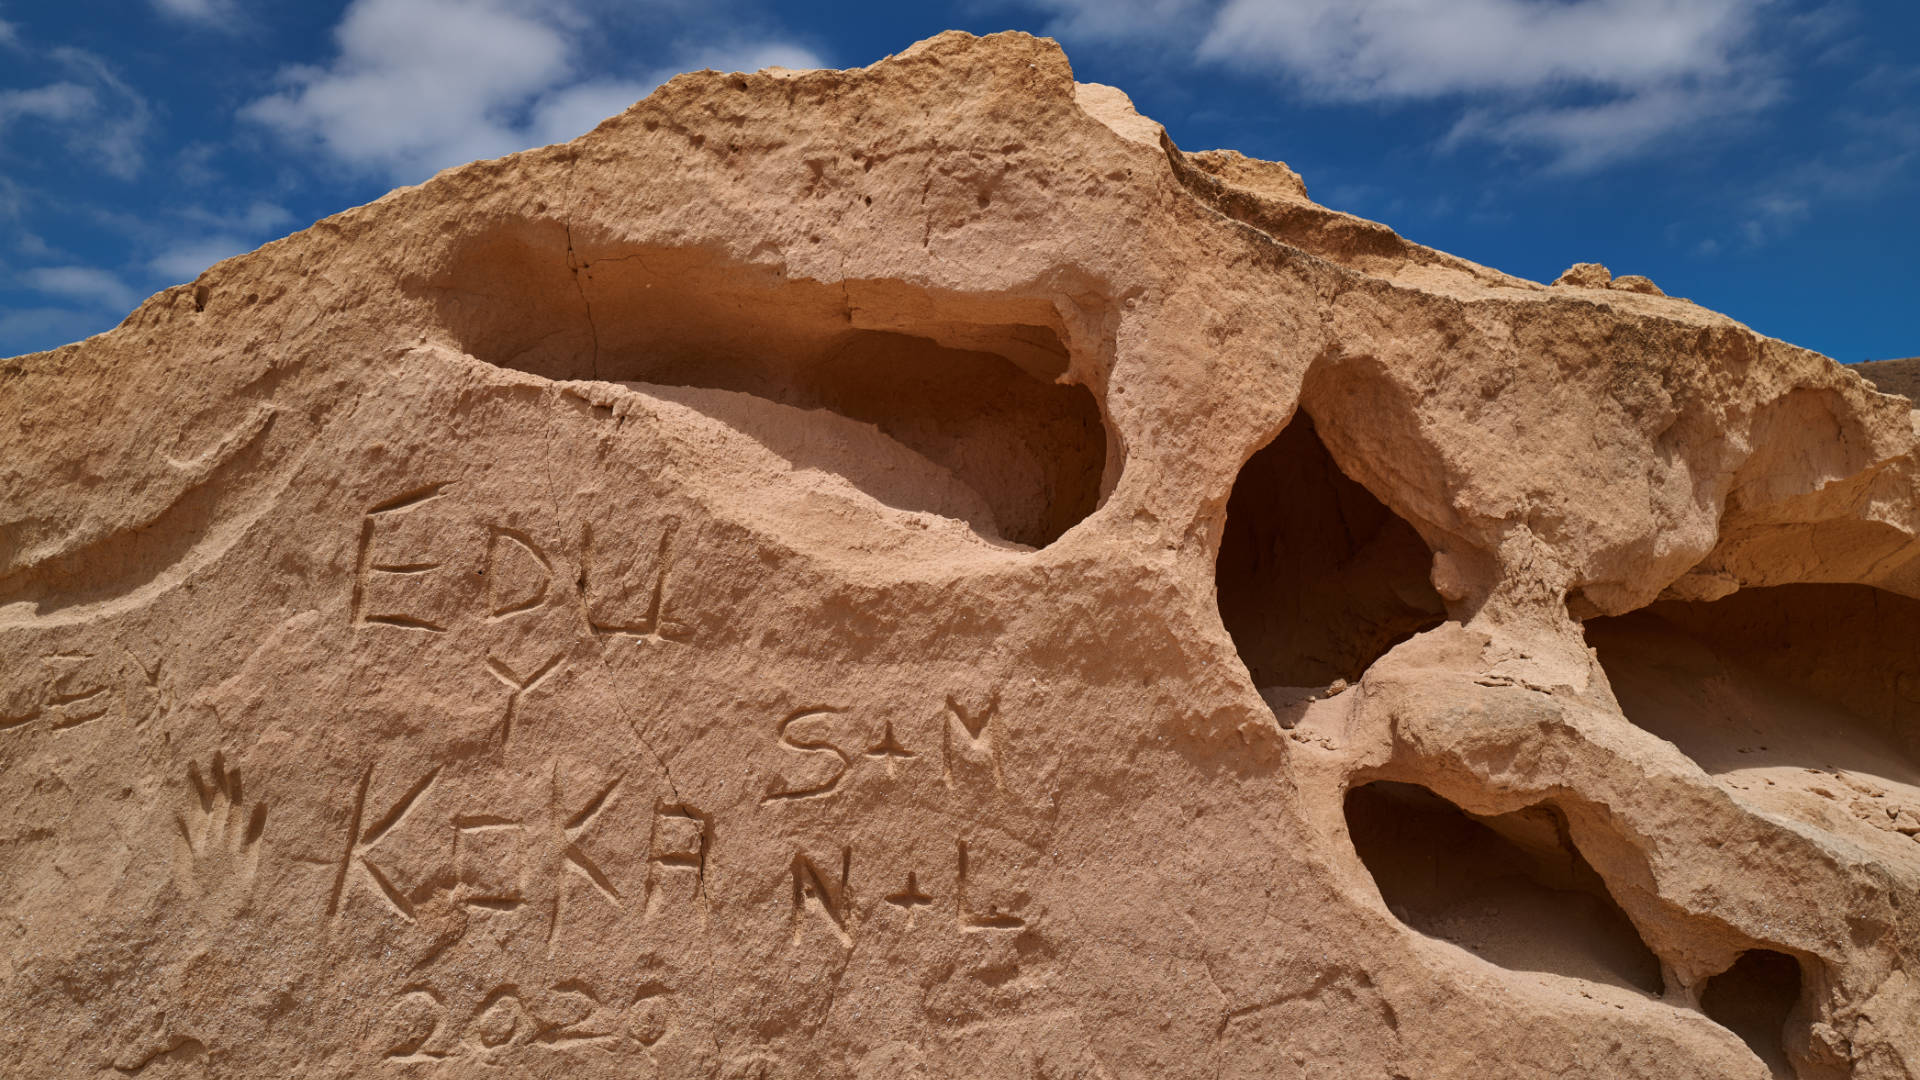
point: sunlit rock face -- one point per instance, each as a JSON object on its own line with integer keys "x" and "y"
{"x": 906, "y": 572}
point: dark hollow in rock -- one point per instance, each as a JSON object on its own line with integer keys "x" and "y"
{"x": 1802, "y": 676}
{"x": 971, "y": 384}
{"x": 1753, "y": 999}
{"x": 1512, "y": 889}
{"x": 1316, "y": 578}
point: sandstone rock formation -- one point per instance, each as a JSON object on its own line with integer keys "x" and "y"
{"x": 1636, "y": 283}
{"x": 1585, "y": 276}
{"x": 1596, "y": 276}
{"x": 905, "y": 572}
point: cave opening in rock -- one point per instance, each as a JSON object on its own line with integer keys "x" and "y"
{"x": 871, "y": 380}
{"x": 1316, "y": 578}
{"x": 1753, "y": 999}
{"x": 1512, "y": 889}
{"x": 1778, "y": 688}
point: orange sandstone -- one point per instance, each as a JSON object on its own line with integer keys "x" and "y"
{"x": 906, "y": 572}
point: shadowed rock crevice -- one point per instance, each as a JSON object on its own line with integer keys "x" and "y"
{"x": 1798, "y": 699}
{"x": 1754, "y": 999}
{"x": 1513, "y": 889}
{"x": 1804, "y": 676}
{"x": 1849, "y": 644}
{"x": 897, "y": 379}
{"x": 1316, "y": 578}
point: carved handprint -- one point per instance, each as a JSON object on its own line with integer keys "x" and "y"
{"x": 221, "y": 838}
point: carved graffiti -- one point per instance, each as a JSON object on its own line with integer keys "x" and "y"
{"x": 220, "y": 838}
{"x": 422, "y": 1027}
{"x": 679, "y": 844}
{"x": 404, "y": 578}
{"x": 518, "y": 573}
{"x": 656, "y": 619}
{"x": 356, "y": 863}
{"x": 805, "y": 732}
{"x": 822, "y": 748}
{"x": 824, "y": 894}
{"x": 987, "y": 916}
{"x": 371, "y": 605}
{"x": 548, "y": 854}
{"x": 574, "y": 860}
{"x": 518, "y": 686}
{"x": 66, "y": 690}
{"x": 818, "y": 892}
{"x": 967, "y": 737}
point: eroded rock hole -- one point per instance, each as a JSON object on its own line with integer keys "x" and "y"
{"x": 1798, "y": 698}
{"x": 954, "y": 404}
{"x": 1753, "y": 999}
{"x": 1512, "y": 889}
{"x": 1316, "y": 578}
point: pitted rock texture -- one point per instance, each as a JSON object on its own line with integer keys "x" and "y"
{"x": 906, "y": 572}
{"x": 1596, "y": 276}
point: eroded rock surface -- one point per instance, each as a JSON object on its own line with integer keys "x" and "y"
{"x": 905, "y": 572}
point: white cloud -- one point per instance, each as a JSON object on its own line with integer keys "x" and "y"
{"x": 1771, "y": 215}
{"x": 1585, "y": 81}
{"x": 1362, "y": 50}
{"x": 1872, "y": 159}
{"x": 94, "y": 112}
{"x": 742, "y": 56}
{"x": 28, "y": 329}
{"x": 87, "y": 284}
{"x": 576, "y": 110}
{"x": 207, "y": 11}
{"x": 1579, "y": 137}
{"x": 1121, "y": 20}
{"x": 193, "y": 164}
{"x": 260, "y": 216}
{"x": 57, "y": 102}
{"x": 216, "y": 235}
{"x": 118, "y": 130}
{"x": 186, "y": 261}
{"x": 419, "y": 85}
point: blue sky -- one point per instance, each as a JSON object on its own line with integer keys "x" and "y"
{"x": 1759, "y": 156}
